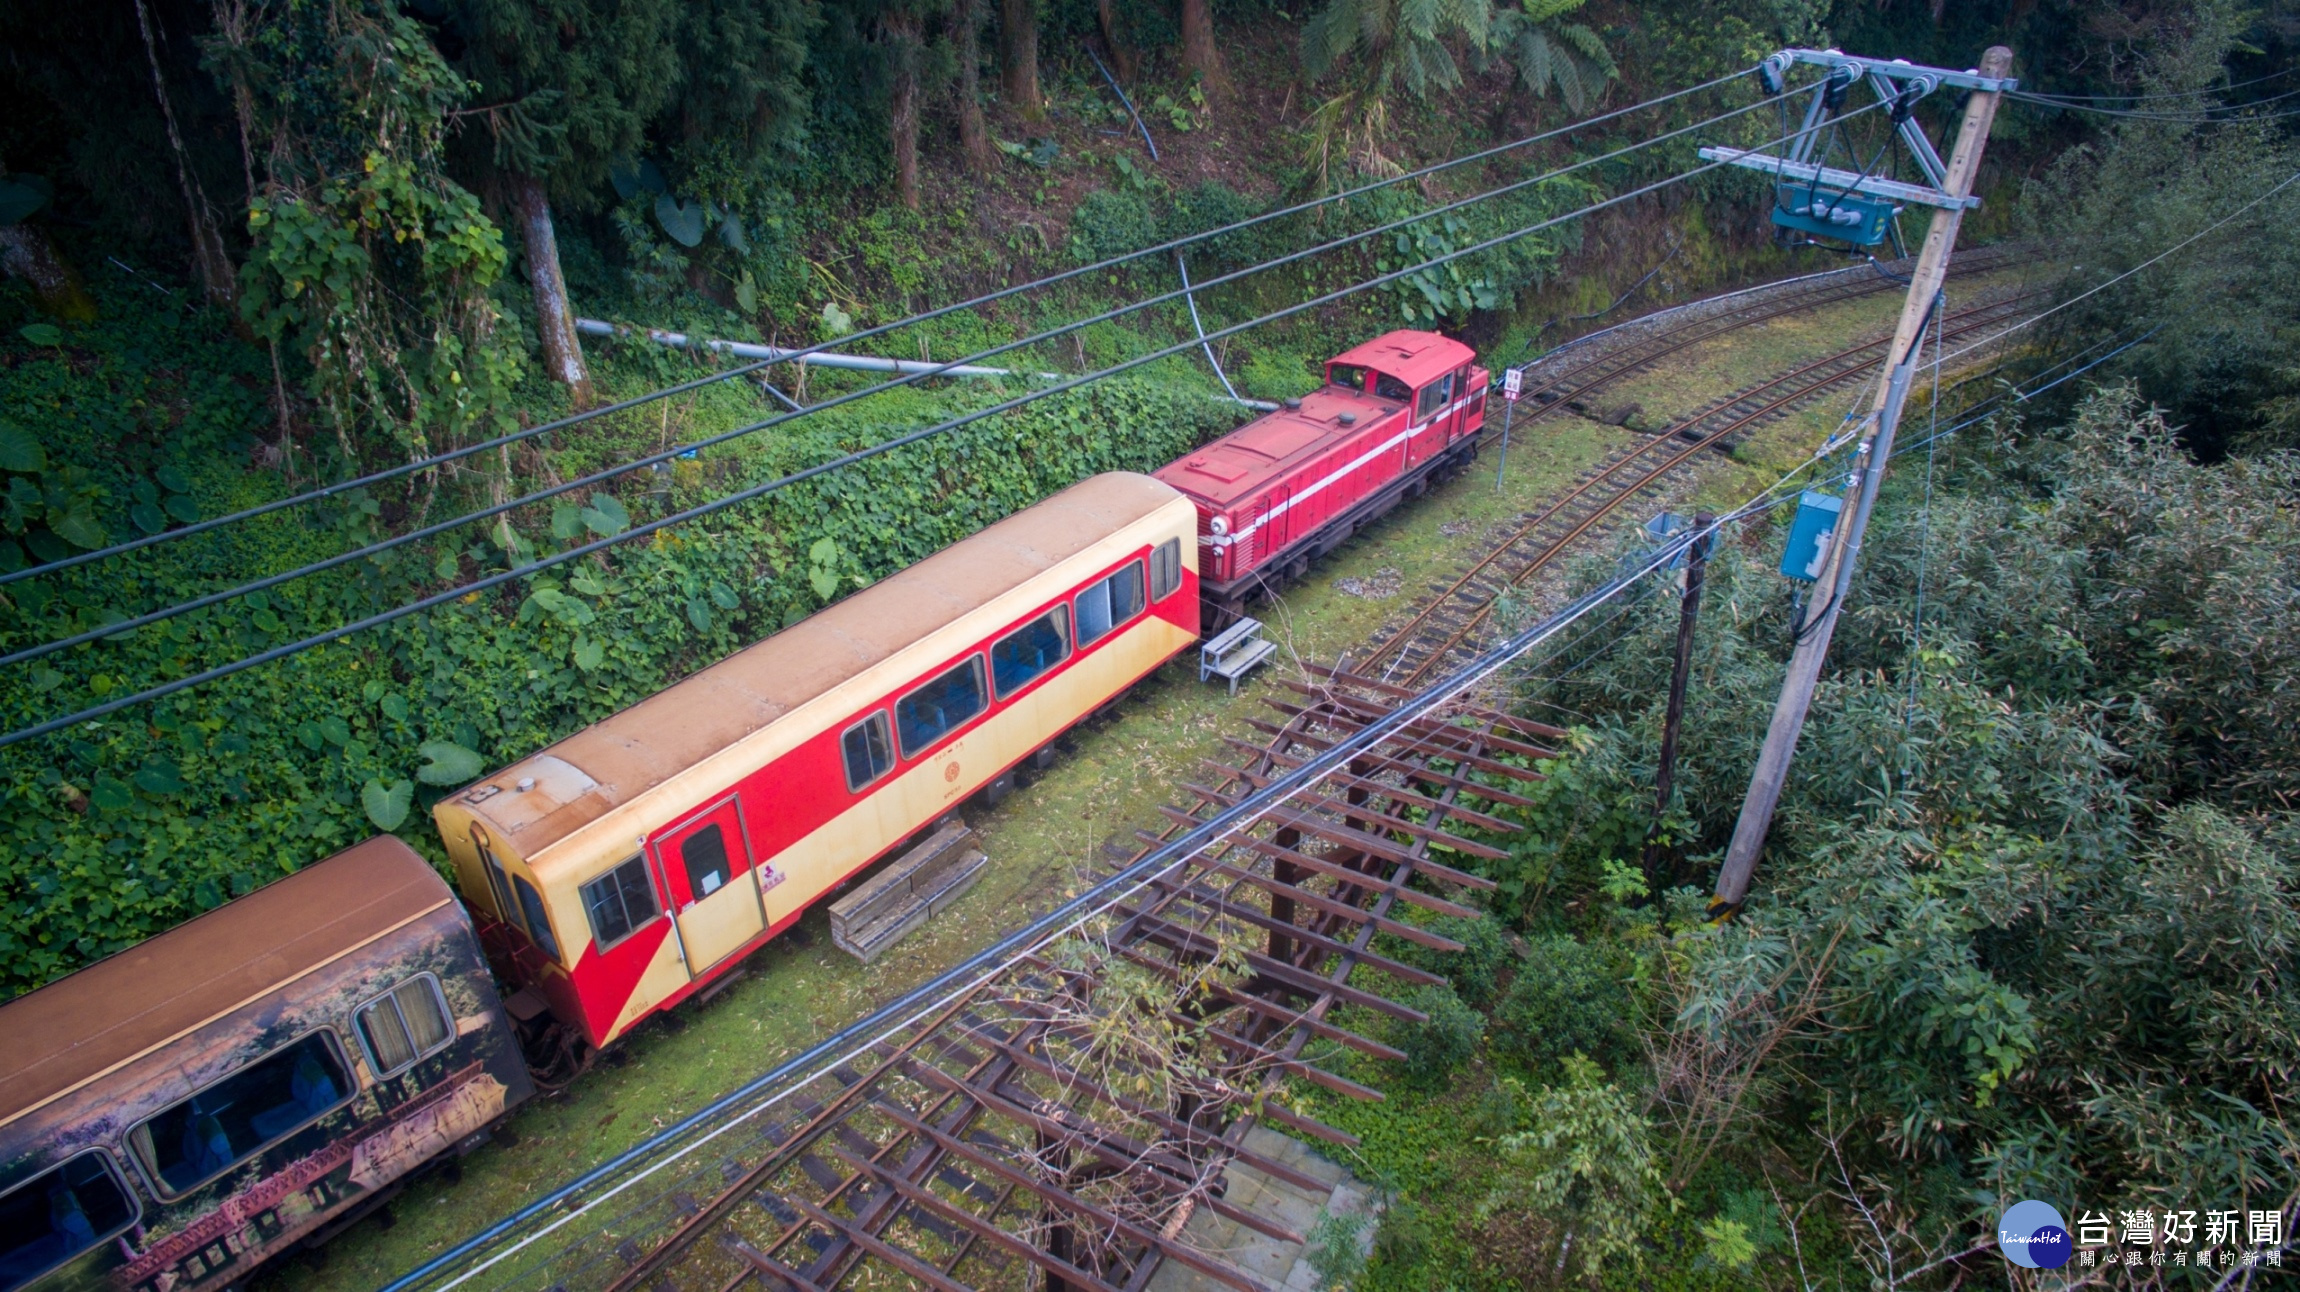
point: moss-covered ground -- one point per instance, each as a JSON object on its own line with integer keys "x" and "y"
{"x": 1059, "y": 830}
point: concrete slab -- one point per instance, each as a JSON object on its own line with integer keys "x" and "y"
{"x": 1279, "y": 1264}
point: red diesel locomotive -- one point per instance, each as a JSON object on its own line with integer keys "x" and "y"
{"x": 1396, "y": 415}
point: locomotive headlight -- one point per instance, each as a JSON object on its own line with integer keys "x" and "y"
{"x": 1219, "y": 525}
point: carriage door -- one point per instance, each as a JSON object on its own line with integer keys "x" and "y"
{"x": 705, "y": 864}
{"x": 1277, "y": 522}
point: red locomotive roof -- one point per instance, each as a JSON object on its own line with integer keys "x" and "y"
{"x": 1242, "y": 462}
{"x": 1415, "y": 358}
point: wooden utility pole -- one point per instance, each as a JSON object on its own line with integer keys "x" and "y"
{"x": 1836, "y": 573}
{"x": 1689, "y": 610}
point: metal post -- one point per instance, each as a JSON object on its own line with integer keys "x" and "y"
{"x": 1501, "y": 463}
{"x": 1665, "y": 773}
{"x": 1765, "y": 783}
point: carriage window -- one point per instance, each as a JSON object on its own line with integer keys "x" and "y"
{"x": 55, "y": 1216}
{"x": 1030, "y": 650}
{"x": 1434, "y": 396}
{"x": 404, "y": 1024}
{"x": 939, "y": 708}
{"x": 1348, "y": 376}
{"x": 1165, "y": 569}
{"x": 538, "y": 919}
{"x": 1109, "y": 603}
{"x": 619, "y": 901}
{"x": 227, "y": 1123}
{"x": 498, "y": 883}
{"x": 705, "y": 853}
{"x": 1389, "y": 387}
{"x": 867, "y": 753}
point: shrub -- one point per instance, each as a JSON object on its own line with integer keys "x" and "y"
{"x": 1476, "y": 969}
{"x": 1111, "y": 222}
{"x": 1212, "y": 205}
{"x": 1268, "y": 374}
{"x": 1566, "y": 998}
{"x": 1443, "y": 1041}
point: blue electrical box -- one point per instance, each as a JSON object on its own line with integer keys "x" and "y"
{"x": 1810, "y": 534}
{"x": 1862, "y": 221}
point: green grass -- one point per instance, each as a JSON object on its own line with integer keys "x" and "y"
{"x": 1060, "y": 831}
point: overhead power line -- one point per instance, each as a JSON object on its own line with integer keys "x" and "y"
{"x": 886, "y": 446}
{"x": 851, "y": 338}
{"x": 604, "y": 474}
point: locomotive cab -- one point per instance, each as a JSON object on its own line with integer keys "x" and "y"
{"x": 1393, "y": 416}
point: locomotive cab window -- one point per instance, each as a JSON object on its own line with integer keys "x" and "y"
{"x": 1029, "y": 651}
{"x": 705, "y": 854}
{"x": 1110, "y": 603}
{"x": 1165, "y": 569}
{"x": 538, "y": 920}
{"x": 619, "y": 902}
{"x": 1389, "y": 387}
{"x": 404, "y": 1024}
{"x": 865, "y": 748}
{"x": 940, "y": 707}
{"x": 231, "y": 1121}
{"x": 1348, "y": 376}
{"x": 1434, "y": 397}
{"x": 59, "y": 1214}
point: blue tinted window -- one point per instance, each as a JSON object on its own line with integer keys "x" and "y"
{"x": 226, "y": 1124}
{"x": 1109, "y": 603}
{"x": 1030, "y": 650}
{"x": 58, "y": 1215}
{"x": 939, "y": 708}
{"x": 538, "y": 920}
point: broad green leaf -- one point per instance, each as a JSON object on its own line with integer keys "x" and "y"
{"x": 606, "y": 514}
{"x": 100, "y": 684}
{"x": 387, "y": 804}
{"x": 682, "y": 220}
{"x": 334, "y": 730}
{"x": 724, "y": 597}
{"x": 19, "y": 451}
{"x": 824, "y": 582}
{"x": 373, "y": 690}
{"x": 566, "y": 521}
{"x": 450, "y": 763}
{"x": 174, "y": 480}
{"x": 42, "y": 333}
{"x": 589, "y": 653}
{"x": 266, "y": 621}
{"x": 159, "y": 776}
{"x": 45, "y": 680}
{"x": 747, "y": 293}
{"x": 308, "y": 734}
{"x": 147, "y": 518}
{"x": 11, "y": 556}
{"x": 699, "y": 614}
{"x": 587, "y": 581}
{"x": 824, "y": 552}
{"x": 181, "y": 506}
{"x": 112, "y": 794}
{"x": 447, "y": 568}
{"x": 394, "y": 707}
{"x": 731, "y": 233}
{"x": 837, "y": 322}
{"x": 78, "y": 526}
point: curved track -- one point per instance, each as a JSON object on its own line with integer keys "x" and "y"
{"x": 1445, "y": 624}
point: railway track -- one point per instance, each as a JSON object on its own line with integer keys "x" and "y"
{"x": 1076, "y": 1114}
{"x": 1444, "y": 626}
{"x": 1075, "y": 1117}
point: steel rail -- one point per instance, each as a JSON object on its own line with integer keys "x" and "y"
{"x": 1805, "y": 381}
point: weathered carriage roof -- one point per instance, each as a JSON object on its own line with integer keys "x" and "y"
{"x": 619, "y": 758}
{"x": 80, "y": 1027}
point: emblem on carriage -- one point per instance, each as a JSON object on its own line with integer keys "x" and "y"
{"x": 950, "y": 772}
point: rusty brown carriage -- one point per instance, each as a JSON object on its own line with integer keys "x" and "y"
{"x": 249, "y": 1082}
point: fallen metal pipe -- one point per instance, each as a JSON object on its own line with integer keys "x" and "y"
{"x": 746, "y": 350}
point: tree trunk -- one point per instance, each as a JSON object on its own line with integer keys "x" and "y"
{"x": 554, "y": 320}
{"x": 1121, "y": 49}
{"x": 209, "y": 259}
{"x": 1018, "y": 57}
{"x": 973, "y": 136}
{"x": 26, "y": 253}
{"x": 899, "y": 29}
{"x": 1199, "y": 53}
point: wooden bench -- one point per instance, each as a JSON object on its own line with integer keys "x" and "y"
{"x": 1233, "y": 652}
{"x": 916, "y": 886}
